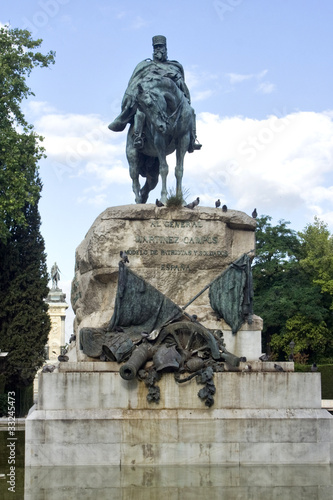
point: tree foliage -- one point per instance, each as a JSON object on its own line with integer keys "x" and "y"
{"x": 317, "y": 245}
{"x": 20, "y": 148}
{"x": 24, "y": 321}
{"x": 288, "y": 294}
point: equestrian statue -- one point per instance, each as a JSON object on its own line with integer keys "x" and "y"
{"x": 157, "y": 105}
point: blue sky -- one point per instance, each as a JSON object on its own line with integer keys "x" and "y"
{"x": 260, "y": 75}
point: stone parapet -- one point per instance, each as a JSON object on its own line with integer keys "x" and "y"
{"x": 234, "y": 390}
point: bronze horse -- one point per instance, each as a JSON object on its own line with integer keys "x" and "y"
{"x": 168, "y": 122}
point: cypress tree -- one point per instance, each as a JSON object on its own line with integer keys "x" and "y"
{"x": 24, "y": 320}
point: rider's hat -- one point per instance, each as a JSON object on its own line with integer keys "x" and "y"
{"x": 159, "y": 40}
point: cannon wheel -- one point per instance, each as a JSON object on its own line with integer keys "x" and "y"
{"x": 191, "y": 337}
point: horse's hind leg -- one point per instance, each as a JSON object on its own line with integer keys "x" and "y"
{"x": 152, "y": 180}
{"x": 180, "y": 154}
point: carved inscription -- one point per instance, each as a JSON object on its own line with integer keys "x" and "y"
{"x": 183, "y": 241}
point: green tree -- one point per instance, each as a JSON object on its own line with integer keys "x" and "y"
{"x": 283, "y": 289}
{"x": 20, "y": 148}
{"x": 311, "y": 338}
{"x": 24, "y": 321}
{"x": 317, "y": 243}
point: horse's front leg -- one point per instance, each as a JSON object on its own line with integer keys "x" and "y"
{"x": 134, "y": 173}
{"x": 164, "y": 170}
{"x": 135, "y": 185}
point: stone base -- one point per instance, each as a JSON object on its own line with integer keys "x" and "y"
{"x": 178, "y": 437}
{"x": 97, "y": 418}
{"x": 296, "y": 482}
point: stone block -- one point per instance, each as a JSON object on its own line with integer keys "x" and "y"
{"x": 178, "y": 251}
{"x": 234, "y": 390}
{"x": 292, "y": 482}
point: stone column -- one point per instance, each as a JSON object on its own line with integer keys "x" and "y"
{"x": 57, "y": 311}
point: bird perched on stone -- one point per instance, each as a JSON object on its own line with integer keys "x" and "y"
{"x": 264, "y": 357}
{"x": 193, "y": 203}
{"x": 63, "y": 358}
{"x": 217, "y": 203}
{"x": 124, "y": 258}
{"x": 254, "y": 213}
{"x": 224, "y": 208}
{"x": 314, "y": 367}
{"x": 72, "y": 338}
{"x": 278, "y": 368}
{"x": 159, "y": 203}
{"x": 248, "y": 368}
{"x": 48, "y": 368}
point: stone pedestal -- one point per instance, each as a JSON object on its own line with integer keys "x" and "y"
{"x": 179, "y": 252}
{"x": 87, "y": 415}
{"x": 96, "y": 418}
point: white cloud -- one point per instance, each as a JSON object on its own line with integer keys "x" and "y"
{"x": 201, "y": 95}
{"x": 138, "y": 23}
{"x": 262, "y": 87}
{"x": 277, "y": 163}
{"x": 81, "y": 145}
{"x": 238, "y": 78}
{"x": 266, "y": 87}
{"x": 281, "y": 163}
{"x": 202, "y": 84}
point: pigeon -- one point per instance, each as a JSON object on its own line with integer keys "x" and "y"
{"x": 159, "y": 203}
{"x": 314, "y": 367}
{"x": 217, "y": 203}
{"x": 72, "y": 338}
{"x": 278, "y": 368}
{"x": 224, "y": 208}
{"x": 62, "y": 357}
{"x": 124, "y": 257}
{"x": 254, "y": 213}
{"x": 264, "y": 357}
{"x": 193, "y": 203}
{"x": 48, "y": 368}
{"x": 248, "y": 368}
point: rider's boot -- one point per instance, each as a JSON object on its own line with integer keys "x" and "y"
{"x": 194, "y": 143}
{"x": 139, "y": 120}
{"x": 138, "y": 141}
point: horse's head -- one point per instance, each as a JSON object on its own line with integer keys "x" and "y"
{"x": 152, "y": 102}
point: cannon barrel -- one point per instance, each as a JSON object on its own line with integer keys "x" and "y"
{"x": 229, "y": 358}
{"x": 139, "y": 356}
